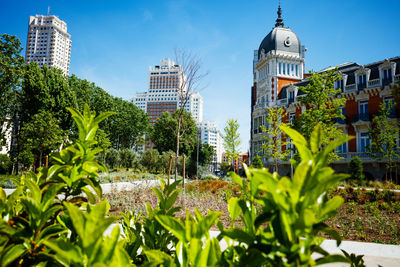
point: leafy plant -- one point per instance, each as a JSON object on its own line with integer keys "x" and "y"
{"x": 292, "y": 212}
{"x": 150, "y": 234}
{"x": 30, "y": 215}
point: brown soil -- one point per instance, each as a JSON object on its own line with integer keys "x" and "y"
{"x": 377, "y": 221}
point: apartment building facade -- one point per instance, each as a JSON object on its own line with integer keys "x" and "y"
{"x": 278, "y": 77}
{"x": 48, "y": 42}
{"x": 165, "y": 83}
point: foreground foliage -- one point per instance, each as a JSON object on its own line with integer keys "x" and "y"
{"x": 56, "y": 217}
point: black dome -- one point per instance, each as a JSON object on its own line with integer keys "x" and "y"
{"x": 280, "y": 39}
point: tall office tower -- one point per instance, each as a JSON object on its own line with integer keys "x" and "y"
{"x": 210, "y": 134}
{"x": 48, "y": 42}
{"x": 164, "y": 82}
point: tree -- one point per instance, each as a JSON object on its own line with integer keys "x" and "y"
{"x": 42, "y": 135}
{"x": 206, "y": 156}
{"x": 356, "y": 170}
{"x": 274, "y": 135}
{"x": 151, "y": 160}
{"x": 113, "y": 158}
{"x": 384, "y": 135}
{"x": 189, "y": 82}
{"x": 45, "y": 89}
{"x": 11, "y": 63}
{"x": 232, "y": 140}
{"x": 102, "y": 142}
{"x": 163, "y": 134}
{"x": 128, "y": 158}
{"x": 322, "y": 107}
{"x": 128, "y": 124}
{"x": 257, "y": 162}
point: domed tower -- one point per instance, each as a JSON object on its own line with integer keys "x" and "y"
{"x": 278, "y": 61}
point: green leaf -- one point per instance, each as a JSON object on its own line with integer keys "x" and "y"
{"x": 173, "y": 225}
{"x": 233, "y": 208}
{"x": 66, "y": 252}
{"x": 316, "y": 138}
{"x": 299, "y": 141}
{"x": 332, "y": 259}
{"x": 12, "y": 253}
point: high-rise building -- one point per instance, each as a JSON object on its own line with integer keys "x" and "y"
{"x": 48, "y": 42}
{"x": 165, "y": 81}
{"x": 210, "y": 134}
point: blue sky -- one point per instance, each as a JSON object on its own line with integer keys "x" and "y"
{"x": 115, "y": 42}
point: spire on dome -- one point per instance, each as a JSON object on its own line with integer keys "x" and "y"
{"x": 279, "y": 20}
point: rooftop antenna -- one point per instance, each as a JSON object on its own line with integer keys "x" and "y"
{"x": 48, "y": 10}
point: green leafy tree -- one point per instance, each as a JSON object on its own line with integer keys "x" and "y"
{"x": 42, "y": 135}
{"x": 257, "y": 162}
{"x": 206, "y": 156}
{"x": 128, "y": 124}
{"x": 274, "y": 137}
{"x": 45, "y": 89}
{"x": 5, "y": 163}
{"x": 356, "y": 171}
{"x": 128, "y": 158}
{"x": 11, "y": 63}
{"x": 151, "y": 160}
{"x": 113, "y": 159}
{"x": 384, "y": 135}
{"x": 322, "y": 107}
{"x": 164, "y": 134}
{"x": 232, "y": 140}
{"x": 103, "y": 142}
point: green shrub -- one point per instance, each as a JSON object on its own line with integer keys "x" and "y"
{"x": 356, "y": 171}
{"x": 113, "y": 159}
{"x": 52, "y": 218}
{"x": 257, "y": 162}
{"x": 5, "y": 164}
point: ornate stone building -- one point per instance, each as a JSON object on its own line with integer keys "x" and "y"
{"x": 279, "y": 73}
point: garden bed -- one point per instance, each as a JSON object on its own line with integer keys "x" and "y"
{"x": 363, "y": 217}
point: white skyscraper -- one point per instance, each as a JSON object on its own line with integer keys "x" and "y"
{"x": 48, "y": 42}
{"x": 210, "y": 134}
{"x": 164, "y": 82}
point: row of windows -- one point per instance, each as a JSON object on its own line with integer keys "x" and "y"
{"x": 288, "y": 69}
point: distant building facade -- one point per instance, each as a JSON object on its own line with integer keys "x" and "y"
{"x": 278, "y": 76}
{"x": 278, "y": 61}
{"x": 211, "y": 135}
{"x": 48, "y": 42}
{"x": 6, "y": 129}
{"x": 164, "y": 82}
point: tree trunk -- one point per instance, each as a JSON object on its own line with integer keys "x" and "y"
{"x": 40, "y": 159}
{"x": 170, "y": 166}
{"x": 177, "y": 144}
{"x": 183, "y": 173}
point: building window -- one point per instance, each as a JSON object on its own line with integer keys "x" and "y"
{"x": 362, "y": 81}
{"x": 387, "y": 76}
{"x": 297, "y": 70}
{"x": 364, "y": 142}
{"x": 291, "y": 97}
{"x": 291, "y": 117}
{"x": 280, "y": 68}
{"x": 342, "y": 149}
{"x": 363, "y": 108}
{"x": 339, "y": 85}
{"x": 284, "y": 68}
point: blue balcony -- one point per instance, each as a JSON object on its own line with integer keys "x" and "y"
{"x": 361, "y": 117}
{"x": 361, "y": 86}
{"x": 386, "y": 81}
